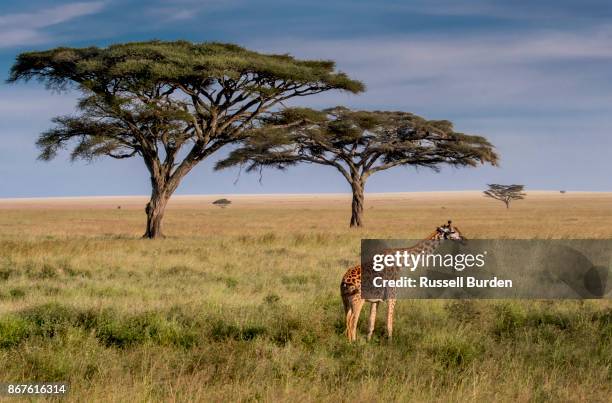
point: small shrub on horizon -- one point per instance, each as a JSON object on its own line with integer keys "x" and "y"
{"x": 222, "y": 203}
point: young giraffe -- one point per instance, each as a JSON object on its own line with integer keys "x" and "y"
{"x": 350, "y": 287}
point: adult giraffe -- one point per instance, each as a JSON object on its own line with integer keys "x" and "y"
{"x": 350, "y": 287}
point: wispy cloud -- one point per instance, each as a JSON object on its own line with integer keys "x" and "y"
{"x": 525, "y": 10}
{"x": 499, "y": 73}
{"x": 533, "y": 77}
{"x": 183, "y": 10}
{"x": 29, "y": 28}
{"x": 18, "y": 104}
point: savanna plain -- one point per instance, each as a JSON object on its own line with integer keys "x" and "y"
{"x": 242, "y": 303}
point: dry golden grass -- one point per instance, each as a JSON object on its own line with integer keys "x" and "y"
{"x": 242, "y": 303}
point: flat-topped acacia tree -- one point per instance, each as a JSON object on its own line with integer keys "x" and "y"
{"x": 358, "y": 144}
{"x": 171, "y": 103}
{"x": 506, "y": 193}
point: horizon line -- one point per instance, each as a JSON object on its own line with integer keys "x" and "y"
{"x": 33, "y": 198}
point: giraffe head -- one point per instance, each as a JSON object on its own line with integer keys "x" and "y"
{"x": 449, "y": 231}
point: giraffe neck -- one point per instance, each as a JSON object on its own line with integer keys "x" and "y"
{"x": 426, "y": 246}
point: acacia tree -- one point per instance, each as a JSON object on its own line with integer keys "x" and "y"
{"x": 505, "y": 193}
{"x": 171, "y": 103}
{"x": 358, "y": 144}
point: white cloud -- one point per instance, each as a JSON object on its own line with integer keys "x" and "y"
{"x": 505, "y": 10}
{"x": 28, "y": 28}
{"x": 545, "y": 69}
{"x": 182, "y": 10}
{"x": 34, "y": 103}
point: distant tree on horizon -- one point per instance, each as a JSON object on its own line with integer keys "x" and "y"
{"x": 222, "y": 203}
{"x": 505, "y": 193}
{"x": 173, "y": 104}
{"x": 357, "y": 144}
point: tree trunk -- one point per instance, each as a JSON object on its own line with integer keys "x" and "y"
{"x": 155, "y": 212}
{"x": 357, "y": 207}
{"x": 163, "y": 185}
{"x": 507, "y": 203}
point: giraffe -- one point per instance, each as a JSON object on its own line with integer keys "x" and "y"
{"x": 350, "y": 287}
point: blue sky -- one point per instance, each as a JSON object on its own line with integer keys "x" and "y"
{"x": 536, "y": 79}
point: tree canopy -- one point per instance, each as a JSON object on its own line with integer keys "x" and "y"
{"x": 168, "y": 92}
{"x": 171, "y": 103}
{"x": 357, "y": 143}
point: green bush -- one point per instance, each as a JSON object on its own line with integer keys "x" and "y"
{"x": 221, "y": 331}
{"x": 285, "y": 327}
{"x": 508, "y": 319}
{"x": 5, "y": 273}
{"x": 453, "y": 352}
{"x": 271, "y": 298}
{"x": 462, "y": 310}
{"x": 17, "y": 293}
{"x": 52, "y": 320}
{"x": 13, "y": 330}
{"x": 143, "y": 328}
{"x": 556, "y": 319}
{"x": 48, "y": 320}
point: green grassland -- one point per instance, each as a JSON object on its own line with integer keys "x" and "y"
{"x": 242, "y": 304}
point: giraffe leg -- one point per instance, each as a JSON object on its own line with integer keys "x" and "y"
{"x": 390, "y": 310}
{"x": 349, "y": 316}
{"x": 348, "y": 312}
{"x": 372, "y": 319}
{"x": 357, "y": 304}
